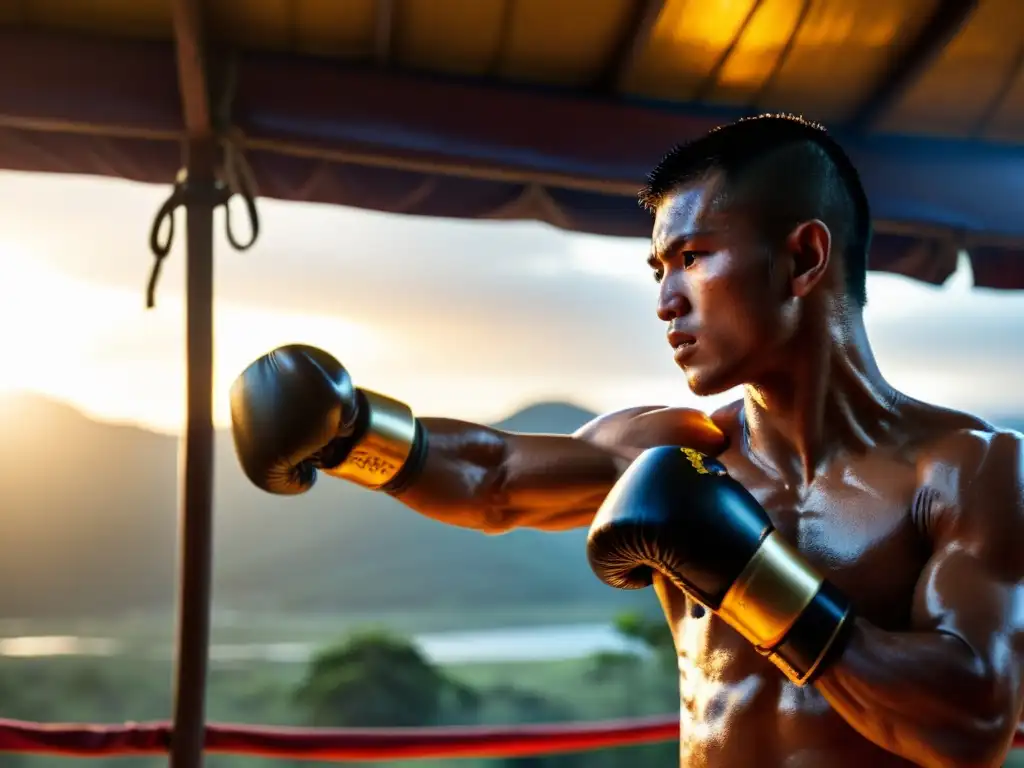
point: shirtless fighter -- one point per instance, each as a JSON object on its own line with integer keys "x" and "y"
{"x": 860, "y": 552}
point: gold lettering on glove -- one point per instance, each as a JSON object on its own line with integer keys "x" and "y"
{"x": 696, "y": 459}
{"x": 385, "y": 446}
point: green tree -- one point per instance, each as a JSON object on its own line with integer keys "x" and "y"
{"x": 620, "y": 669}
{"x": 376, "y": 680}
{"x": 510, "y": 704}
{"x": 652, "y": 633}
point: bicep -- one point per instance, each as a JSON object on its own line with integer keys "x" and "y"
{"x": 490, "y": 480}
{"x": 959, "y": 595}
{"x": 554, "y": 482}
{"x": 972, "y": 587}
{"x": 495, "y": 481}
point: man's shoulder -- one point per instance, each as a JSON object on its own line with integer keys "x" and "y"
{"x": 643, "y": 427}
{"x": 966, "y": 443}
{"x": 977, "y": 469}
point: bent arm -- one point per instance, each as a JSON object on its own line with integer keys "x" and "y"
{"x": 950, "y": 693}
{"x": 493, "y": 481}
{"x": 934, "y": 697}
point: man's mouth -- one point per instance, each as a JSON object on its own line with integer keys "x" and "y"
{"x": 679, "y": 340}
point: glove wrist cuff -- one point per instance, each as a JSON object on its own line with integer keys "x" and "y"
{"x": 818, "y": 637}
{"x": 788, "y": 611}
{"x": 384, "y": 445}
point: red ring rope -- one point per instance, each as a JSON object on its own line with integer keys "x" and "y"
{"x": 90, "y": 740}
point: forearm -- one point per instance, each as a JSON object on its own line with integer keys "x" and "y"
{"x": 493, "y": 481}
{"x": 924, "y": 695}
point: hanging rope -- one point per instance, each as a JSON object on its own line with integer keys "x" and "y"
{"x": 234, "y": 177}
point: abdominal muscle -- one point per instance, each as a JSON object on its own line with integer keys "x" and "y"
{"x": 737, "y": 710}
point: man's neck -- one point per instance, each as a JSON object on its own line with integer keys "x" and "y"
{"x": 829, "y": 397}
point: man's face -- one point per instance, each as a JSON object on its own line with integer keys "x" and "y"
{"x": 721, "y": 293}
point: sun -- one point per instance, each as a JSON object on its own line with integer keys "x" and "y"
{"x": 20, "y": 280}
{"x": 96, "y": 347}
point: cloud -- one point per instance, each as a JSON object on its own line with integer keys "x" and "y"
{"x": 469, "y": 318}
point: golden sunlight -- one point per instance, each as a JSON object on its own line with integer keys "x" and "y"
{"x": 97, "y": 348}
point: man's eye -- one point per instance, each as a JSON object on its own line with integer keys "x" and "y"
{"x": 689, "y": 258}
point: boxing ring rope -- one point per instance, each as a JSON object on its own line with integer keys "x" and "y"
{"x": 343, "y": 744}
{"x": 91, "y": 740}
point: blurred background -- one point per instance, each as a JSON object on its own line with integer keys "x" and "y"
{"x": 340, "y": 607}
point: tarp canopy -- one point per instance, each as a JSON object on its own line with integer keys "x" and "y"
{"x": 544, "y": 109}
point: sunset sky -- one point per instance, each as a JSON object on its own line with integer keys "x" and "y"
{"x": 466, "y": 319}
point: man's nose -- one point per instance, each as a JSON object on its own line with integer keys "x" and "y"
{"x": 671, "y": 304}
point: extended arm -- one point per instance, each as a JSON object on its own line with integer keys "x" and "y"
{"x": 950, "y": 693}
{"x": 296, "y": 414}
{"x": 494, "y": 481}
{"x": 489, "y": 480}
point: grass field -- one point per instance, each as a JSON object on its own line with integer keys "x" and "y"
{"x": 137, "y": 688}
{"x": 138, "y": 685}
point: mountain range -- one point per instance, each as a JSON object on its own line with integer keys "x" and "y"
{"x": 89, "y": 525}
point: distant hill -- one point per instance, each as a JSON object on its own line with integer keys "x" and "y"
{"x": 364, "y": 551}
{"x": 89, "y": 527}
{"x": 556, "y": 418}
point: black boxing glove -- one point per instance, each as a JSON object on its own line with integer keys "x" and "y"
{"x": 677, "y": 511}
{"x": 295, "y": 412}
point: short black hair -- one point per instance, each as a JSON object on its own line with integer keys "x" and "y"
{"x": 790, "y": 169}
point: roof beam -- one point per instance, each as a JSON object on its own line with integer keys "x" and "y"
{"x": 193, "y": 76}
{"x": 1013, "y": 73}
{"x": 635, "y": 36}
{"x": 944, "y": 24}
{"x": 383, "y": 31}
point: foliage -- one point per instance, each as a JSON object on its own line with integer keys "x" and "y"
{"x": 652, "y": 633}
{"x": 376, "y": 680}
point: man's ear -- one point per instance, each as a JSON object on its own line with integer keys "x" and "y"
{"x": 810, "y": 245}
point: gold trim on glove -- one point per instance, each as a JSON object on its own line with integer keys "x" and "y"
{"x": 385, "y": 446}
{"x": 771, "y": 592}
{"x": 800, "y": 678}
